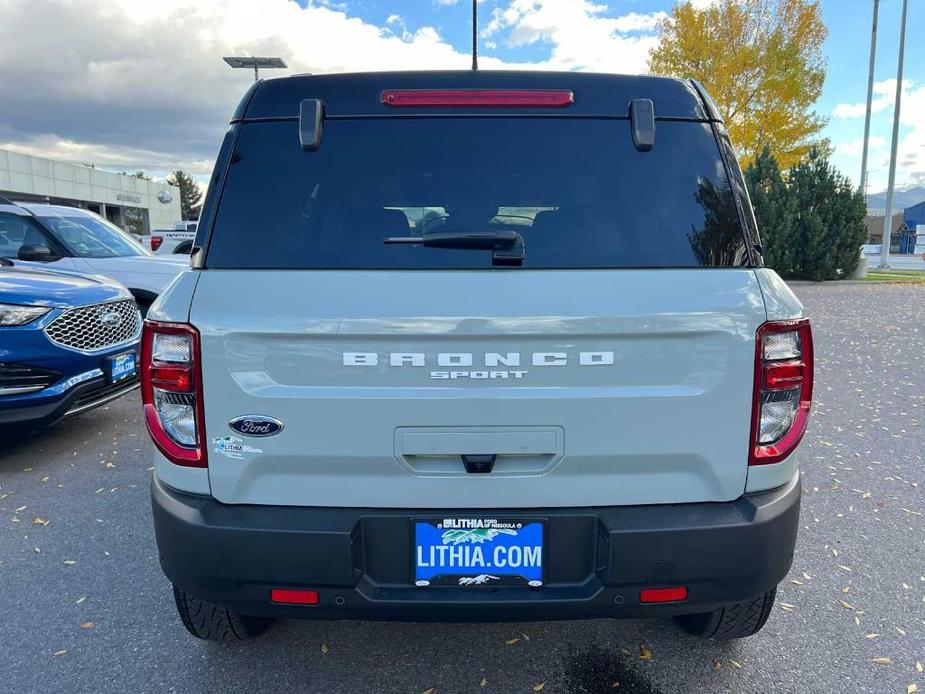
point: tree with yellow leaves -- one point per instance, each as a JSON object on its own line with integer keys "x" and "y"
{"x": 762, "y": 62}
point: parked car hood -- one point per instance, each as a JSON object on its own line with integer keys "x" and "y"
{"x": 39, "y": 287}
{"x": 140, "y": 264}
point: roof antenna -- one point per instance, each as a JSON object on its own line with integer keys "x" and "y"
{"x": 475, "y": 34}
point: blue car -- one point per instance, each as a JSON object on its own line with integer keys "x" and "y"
{"x": 68, "y": 343}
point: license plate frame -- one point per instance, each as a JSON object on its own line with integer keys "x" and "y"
{"x": 478, "y": 535}
{"x": 116, "y": 370}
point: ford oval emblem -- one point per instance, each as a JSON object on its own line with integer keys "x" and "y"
{"x": 111, "y": 319}
{"x": 256, "y": 425}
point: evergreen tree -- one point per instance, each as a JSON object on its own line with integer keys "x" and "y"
{"x": 811, "y": 220}
{"x": 190, "y": 195}
{"x": 828, "y": 220}
{"x": 773, "y": 211}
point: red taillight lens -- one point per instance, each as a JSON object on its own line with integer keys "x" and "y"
{"x": 783, "y": 389}
{"x": 784, "y": 375}
{"x": 171, "y": 391}
{"x": 675, "y": 594}
{"x": 498, "y": 98}
{"x": 156, "y": 242}
{"x": 288, "y": 596}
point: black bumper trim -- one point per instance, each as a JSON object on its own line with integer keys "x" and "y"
{"x": 358, "y": 559}
{"x": 73, "y": 402}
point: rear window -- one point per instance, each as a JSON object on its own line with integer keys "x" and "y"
{"x": 577, "y": 191}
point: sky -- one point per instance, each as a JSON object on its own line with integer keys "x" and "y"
{"x": 140, "y": 85}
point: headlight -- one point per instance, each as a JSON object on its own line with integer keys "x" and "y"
{"x": 11, "y": 314}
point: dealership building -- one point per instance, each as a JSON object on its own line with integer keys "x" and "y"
{"x": 133, "y": 204}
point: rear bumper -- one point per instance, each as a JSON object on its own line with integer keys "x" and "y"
{"x": 598, "y": 559}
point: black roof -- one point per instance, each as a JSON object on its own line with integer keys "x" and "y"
{"x": 353, "y": 94}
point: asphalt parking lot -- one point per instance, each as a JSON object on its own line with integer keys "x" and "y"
{"x": 85, "y": 608}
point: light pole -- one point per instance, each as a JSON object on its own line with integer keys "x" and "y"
{"x": 251, "y": 62}
{"x": 870, "y": 97}
{"x": 887, "y": 220}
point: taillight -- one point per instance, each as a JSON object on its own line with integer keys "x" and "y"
{"x": 783, "y": 389}
{"x": 171, "y": 391}
{"x": 498, "y": 98}
{"x": 156, "y": 242}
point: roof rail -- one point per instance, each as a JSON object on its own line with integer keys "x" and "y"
{"x": 4, "y": 201}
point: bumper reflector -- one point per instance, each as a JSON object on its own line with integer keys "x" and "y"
{"x": 288, "y": 596}
{"x": 650, "y": 595}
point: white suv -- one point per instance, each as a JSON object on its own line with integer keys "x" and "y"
{"x": 505, "y": 350}
{"x": 70, "y": 238}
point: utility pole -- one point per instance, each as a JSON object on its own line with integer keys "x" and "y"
{"x": 888, "y": 218}
{"x": 870, "y": 98}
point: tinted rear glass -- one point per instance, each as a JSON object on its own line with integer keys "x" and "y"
{"x": 577, "y": 190}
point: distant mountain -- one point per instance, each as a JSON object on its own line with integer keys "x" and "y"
{"x": 876, "y": 202}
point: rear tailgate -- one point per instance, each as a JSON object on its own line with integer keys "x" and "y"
{"x": 591, "y": 387}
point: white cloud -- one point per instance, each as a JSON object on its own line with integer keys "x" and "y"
{"x": 910, "y": 167}
{"x": 136, "y": 84}
{"x": 855, "y": 147}
{"x": 579, "y": 32}
{"x": 130, "y": 159}
{"x": 884, "y": 98}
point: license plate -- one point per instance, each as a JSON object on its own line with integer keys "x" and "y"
{"x": 478, "y": 552}
{"x": 122, "y": 366}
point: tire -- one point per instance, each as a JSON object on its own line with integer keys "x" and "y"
{"x": 735, "y": 621}
{"x": 184, "y": 248}
{"x": 213, "y": 623}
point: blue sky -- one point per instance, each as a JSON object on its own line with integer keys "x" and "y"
{"x": 846, "y": 49}
{"x": 135, "y": 84}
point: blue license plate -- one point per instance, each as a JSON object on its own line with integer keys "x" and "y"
{"x": 122, "y": 366}
{"x": 478, "y": 552}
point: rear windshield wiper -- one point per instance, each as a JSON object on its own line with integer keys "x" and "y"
{"x": 507, "y": 246}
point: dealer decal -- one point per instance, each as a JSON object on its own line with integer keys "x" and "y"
{"x": 232, "y": 447}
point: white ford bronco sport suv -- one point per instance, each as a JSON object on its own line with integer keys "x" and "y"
{"x": 505, "y": 350}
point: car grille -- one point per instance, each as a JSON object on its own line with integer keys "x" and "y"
{"x": 25, "y": 378}
{"x": 92, "y": 328}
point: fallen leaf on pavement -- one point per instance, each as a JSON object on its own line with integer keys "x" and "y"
{"x": 87, "y": 625}
{"x": 539, "y": 686}
{"x": 70, "y": 562}
{"x": 63, "y": 651}
{"x": 511, "y": 642}
{"x": 883, "y": 661}
{"x": 324, "y": 649}
{"x": 645, "y": 653}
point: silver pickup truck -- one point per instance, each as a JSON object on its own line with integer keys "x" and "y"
{"x": 476, "y": 346}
